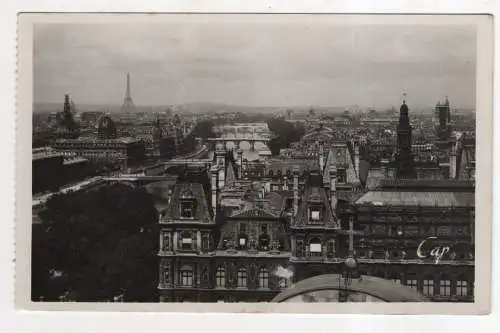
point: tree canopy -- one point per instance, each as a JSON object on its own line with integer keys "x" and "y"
{"x": 285, "y": 133}
{"x": 204, "y": 129}
{"x": 96, "y": 245}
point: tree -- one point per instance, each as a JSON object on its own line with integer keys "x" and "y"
{"x": 285, "y": 133}
{"x": 97, "y": 245}
{"x": 204, "y": 129}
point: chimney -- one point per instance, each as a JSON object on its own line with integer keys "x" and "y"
{"x": 295, "y": 191}
{"x": 222, "y": 176}
{"x": 239, "y": 162}
{"x": 169, "y": 193}
{"x": 453, "y": 161}
{"x": 213, "y": 187}
{"x": 356, "y": 158}
{"x": 333, "y": 187}
{"x": 321, "y": 158}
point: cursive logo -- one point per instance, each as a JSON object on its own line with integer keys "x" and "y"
{"x": 437, "y": 252}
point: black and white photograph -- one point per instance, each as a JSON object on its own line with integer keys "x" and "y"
{"x": 245, "y": 158}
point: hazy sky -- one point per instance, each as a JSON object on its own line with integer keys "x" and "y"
{"x": 261, "y": 64}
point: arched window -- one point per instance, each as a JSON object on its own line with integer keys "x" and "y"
{"x": 220, "y": 277}
{"x": 186, "y": 276}
{"x": 263, "y": 278}
{"x": 242, "y": 277}
{"x": 315, "y": 247}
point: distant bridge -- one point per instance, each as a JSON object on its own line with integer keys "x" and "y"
{"x": 190, "y": 162}
{"x": 238, "y": 139}
{"x": 242, "y": 128}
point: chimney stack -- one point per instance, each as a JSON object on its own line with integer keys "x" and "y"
{"x": 295, "y": 191}
{"x": 213, "y": 186}
{"x": 321, "y": 159}
{"x": 356, "y": 158}
{"x": 453, "y": 161}
{"x": 333, "y": 187}
{"x": 239, "y": 162}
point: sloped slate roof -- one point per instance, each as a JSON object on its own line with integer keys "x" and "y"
{"x": 422, "y": 198}
{"x": 255, "y": 212}
{"x": 159, "y": 191}
{"x": 313, "y": 193}
{"x": 202, "y": 213}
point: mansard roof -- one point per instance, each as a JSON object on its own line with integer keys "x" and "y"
{"x": 159, "y": 190}
{"x": 341, "y": 155}
{"x": 254, "y": 212}
{"x": 320, "y": 131}
{"x": 315, "y": 193}
{"x": 418, "y": 198}
{"x": 304, "y": 166}
{"x": 430, "y": 193}
{"x": 202, "y": 209}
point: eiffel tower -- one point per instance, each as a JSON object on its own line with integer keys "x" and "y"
{"x": 128, "y": 104}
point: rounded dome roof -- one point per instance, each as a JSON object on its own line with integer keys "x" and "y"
{"x": 317, "y": 288}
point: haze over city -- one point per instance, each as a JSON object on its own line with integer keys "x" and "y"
{"x": 265, "y": 64}
{"x": 256, "y": 158}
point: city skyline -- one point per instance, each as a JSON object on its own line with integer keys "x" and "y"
{"x": 264, "y": 65}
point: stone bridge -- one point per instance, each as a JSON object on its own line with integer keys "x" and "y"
{"x": 238, "y": 139}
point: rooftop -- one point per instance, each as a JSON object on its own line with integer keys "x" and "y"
{"x": 418, "y": 198}
{"x": 97, "y": 140}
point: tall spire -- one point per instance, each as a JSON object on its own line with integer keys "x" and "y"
{"x": 127, "y": 94}
{"x": 443, "y": 115}
{"x": 404, "y": 158}
{"x": 128, "y": 104}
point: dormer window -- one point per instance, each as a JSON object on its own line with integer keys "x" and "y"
{"x": 341, "y": 176}
{"x": 187, "y": 210}
{"x": 242, "y": 236}
{"x": 188, "y": 205}
{"x": 315, "y": 214}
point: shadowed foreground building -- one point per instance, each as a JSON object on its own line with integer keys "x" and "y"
{"x": 231, "y": 239}
{"x": 404, "y": 221}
